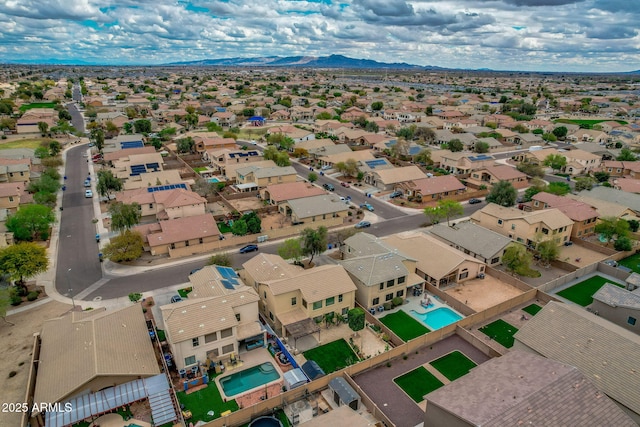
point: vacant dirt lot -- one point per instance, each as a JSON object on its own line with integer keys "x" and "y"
{"x": 480, "y": 294}
{"x": 16, "y": 343}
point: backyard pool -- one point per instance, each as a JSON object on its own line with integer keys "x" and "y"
{"x": 213, "y": 179}
{"x": 249, "y": 378}
{"x": 437, "y": 318}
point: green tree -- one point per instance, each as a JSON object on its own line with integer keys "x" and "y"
{"x": 98, "y": 137}
{"x": 312, "y": 177}
{"x": 43, "y": 128}
{"x": 282, "y": 159}
{"x": 5, "y": 300}
{"x": 560, "y": 132}
{"x": 623, "y": 244}
{"x": 124, "y": 215}
{"x": 481, "y": 147}
{"x": 142, "y": 126}
{"x": 54, "y": 147}
{"x": 356, "y": 319}
{"x": 634, "y": 225}
{"x": 584, "y": 183}
{"x": 313, "y": 241}
{"x": 611, "y": 227}
{"x": 549, "y": 137}
{"x": 626, "y": 155}
{"x": 455, "y": 145}
{"x": 127, "y": 246}
{"x": 558, "y": 188}
{"x": 531, "y": 169}
{"x": 450, "y": 208}
{"x": 223, "y": 259}
{"x": 377, "y": 105}
{"x": 254, "y": 224}
{"x": 31, "y": 222}
{"x": 548, "y": 251}
{"x": 23, "y": 260}
{"x": 423, "y": 157}
{"x": 325, "y": 115}
{"x": 185, "y": 145}
{"x": 502, "y": 193}
{"x": 128, "y": 127}
{"x": 601, "y": 176}
{"x": 107, "y": 183}
{"x": 555, "y": 161}
{"x": 239, "y": 227}
{"x": 434, "y": 214}
{"x": 290, "y": 249}
{"x": 516, "y": 259}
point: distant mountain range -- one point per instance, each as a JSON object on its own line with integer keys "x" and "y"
{"x": 332, "y": 61}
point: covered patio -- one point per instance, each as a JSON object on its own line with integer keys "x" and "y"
{"x": 300, "y": 329}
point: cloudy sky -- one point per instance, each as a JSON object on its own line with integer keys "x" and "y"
{"x": 544, "y": 35}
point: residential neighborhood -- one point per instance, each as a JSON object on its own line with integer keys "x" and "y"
{"x": 225, "y": 246}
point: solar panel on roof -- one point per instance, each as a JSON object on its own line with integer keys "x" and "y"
{"x": 373, "y": 163}
{"x": 227, "y": 272}
{"x": 227, "y": 284}
{"x": 166, "y": 187}
{"x": 155, "y": 166}
{"x": 131, "y": 144}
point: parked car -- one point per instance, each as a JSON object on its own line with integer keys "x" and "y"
{"x": 568, "y": 243}
{"x": 88, "y": 194}
{"x": 176, "y": 298}
{"x": 363, "y": 224}
{"x": 328, "y": 187}
{"x": 248, "y": 248}
{"x": 611, "y": 262}
{"x": 345, "y": 184}
{"x": 87, "y": 183}
{"x": 367, "y": 206}
{"x": 326, "y": 167}
{"x": 395, "y": 194}
{"x": 474, "y": 201}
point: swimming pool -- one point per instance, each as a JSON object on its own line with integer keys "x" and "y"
{"x": 249, "y": 378}
{"x": 213, "y": 179}
{"x": 437, "y": 318}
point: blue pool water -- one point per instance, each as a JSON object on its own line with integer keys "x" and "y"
{"x": 438, "y": 318}
{"x": 249, "y": 378}
{"x": 213, "y": 179}
{"x": 266, "y": 422}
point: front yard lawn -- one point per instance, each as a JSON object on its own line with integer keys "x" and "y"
{"x": 501, "y": 331}
{"x": 203, "y": 401}
{"x": 224, "y": 228}
{"x": 454, "y": 365}
{"x": 582, "y": 293}
{"x": 417, "y": 383}
{"x": 404, "y": 326}
{"x": 26, "y": 107}
{"x": 632, "y": 262}
{"x": 332, "y": 356}
{"x": 532, "y": 309}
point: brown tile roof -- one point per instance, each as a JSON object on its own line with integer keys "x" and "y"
{"x": 399, "y": 174}
{"x": 574, "y": 209}
{"x": 267, "y": 267}
{"x": 292, "y": 190}
{"x": 522, "y": 388}
{"x": 8, "y": 189}
{"x": 551, "y": 217}
{"x": 181, "y": 229}
{"x": 81, "y": 346}
{"x": 604, "y": 352}
{"x": 315, "y": 284}
{"x": 436, "y": 185}
{"x": 628, "y": 185}
{"x": 115, "y": 155}
{"x": 505, "y": 173}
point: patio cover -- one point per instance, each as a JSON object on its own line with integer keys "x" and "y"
{"x": 249, "y": 330}
{"x": 302, "y": 328}
{"x": 247, "y": 186}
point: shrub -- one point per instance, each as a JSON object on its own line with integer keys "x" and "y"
{"x": 15, "y": 300}
{"x": 397, "y": 301}
{"x": 387, "y": 305}
{"x": 32, "y": 296}
{"x": 135, "y": 297}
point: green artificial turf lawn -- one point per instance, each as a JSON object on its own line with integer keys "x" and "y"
{"x": 203, "y": 401}
{"x": 453, "y": 365}
{"x": 26, "y": 107}
{"x": 223, "y": 228}
{"x": 501, "y": 331}
{"x": 404, "y": 326}
{"x": 632, "y": 262}
{"x": 332, "y": 356}
{"x": 532, "y": 309}
{"x": 582, "y": 293}
{"x": 184, "y": 293}
{"x": 587, "y": 122}
{"x": 417, "y": 383}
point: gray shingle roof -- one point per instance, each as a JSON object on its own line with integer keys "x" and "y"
{"x": 604, "y": 352}
{"x": 522, "y": 388}
{"x": 375, "y": 269}
{"x": 616, "y": 296}
{"x": 611, "y": 195}
{"x": 308, "y": 207}
{"x": 472, "y": 237}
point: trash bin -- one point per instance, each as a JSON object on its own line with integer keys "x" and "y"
{"x": 100, "y": 256}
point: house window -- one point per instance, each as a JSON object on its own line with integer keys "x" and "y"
{"x": 381, "y": 286}
{"x": 317, "y": 305}
{"x": 304, "y": 303}
{"x": 271, "y": 316}
{"x": 388, "y": 297}
{"x": 210, "y": 337}
{"x": 200, "y": 240}
{"x": 340, "y": 298}
{"x": 631, "y": 321}
{"x": 238, "y": 317}
{"x": 400, "y": 293}
{"x": 172, "y": 246}
{"x": 390, "y": 283}
{"x": 495, "y": 260}
{"x": 345, "y": 310}
{"x": 226, "y": 333}
{"x": 513, "y": 226}
{"x": 499, "y": 222}
{"x": 536, "y": 203}
{"x": 191, "y": 360}
{"x": 375, "y": 301}
{"x": 150, "y": 205}
{"x": 330, "y": 301}
{"x": 195, "y": 342}
{"x": 294, "y": 301}
{"x": 545, "y": 230}
{"x": 186, "y": 243}
{"x": 11, "y": 198}
{"x": 227, "y": 348}
{"x": 464, "y": 274}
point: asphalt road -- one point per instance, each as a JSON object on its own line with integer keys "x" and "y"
{"x": 78, "y": 265}
{"x": 76, "y": 117}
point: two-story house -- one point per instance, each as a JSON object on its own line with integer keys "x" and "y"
{"x": 493, "y": 174}
{"x": 583, "y": 215}
{"x": 464, "y": 163}
{"x": 255, "y": 177}
{"x": 217, "y": 318}
{"x": 164, "y": 202}
{"x": 529, "y": 228}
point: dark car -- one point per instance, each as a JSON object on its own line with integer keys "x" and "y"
{"x": 474, "y": 201}
{"x": 329, "y": 187}
{"x": 395, "y": 194}
{"x": 176, "y": 298}
{"x": 248, "y": 248}
{"x": 363, "y": 224}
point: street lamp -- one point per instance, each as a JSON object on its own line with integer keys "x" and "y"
{"x": 70, "y": 290}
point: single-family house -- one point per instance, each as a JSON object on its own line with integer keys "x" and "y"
{"x": 581, "y": 162}
{"x": 164, "y": 202}
{"x": 277, "y": 193}
{"x": 219, "y": 159}
{"x": 255, "y": 177}
{"x": 217, "y": 319}
{"x": 618, "y": 305}
{"x": 603, "y": 351}
{"x": 137, "y": 164}
{"x": 583, "y": 215}
{"x": 387, "y": 179}
{"x": 491, "y": 175}
{"x": 588, "y": 135}
{"x": 15, "y": 170}
{"x": 529, "y": 228}
{"x": 433, "y": 188}
{"x": 472, "y": 239}
{"x": 314, "y": 208}
{"x": 203, "y": 143}
{"x": 28, "y": 123}
{"x": 293, "y": 300}
{"x": 459, "y": 163}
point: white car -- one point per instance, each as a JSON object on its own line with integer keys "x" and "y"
{"x": 88, "y": 194}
